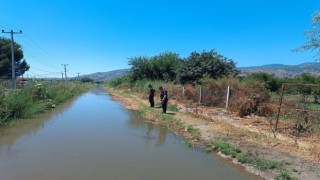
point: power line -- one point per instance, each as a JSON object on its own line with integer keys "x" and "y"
{"x": 45, "y": 70}
{"x": 43, "y": 50}
{"x": 40, "y": 55}
{"x": 40, "y": 61}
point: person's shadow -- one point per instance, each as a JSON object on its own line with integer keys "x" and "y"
{"x": 171, "y": 113}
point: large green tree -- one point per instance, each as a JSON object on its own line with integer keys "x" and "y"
{"x": 313, "y": 36}
{"x": 210, "y": 63}
{"x": 160, "y": 67}
{"x": 21, "y": 65}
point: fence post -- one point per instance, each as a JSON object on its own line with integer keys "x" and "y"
{"x": 228, "y": 92}
{"x": 200, "y": 97}
{"x": 279, "y": 108}
{"x": 183, "y": 91}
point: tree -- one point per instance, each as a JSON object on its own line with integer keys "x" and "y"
{"x": 194, "y": 67}
{"x": 313, "y": 36}
{"x": 270, "y": 81}
{"x": 87, "y": 80}
{"x": 307, "y": 78}
{"x": 21, "y": 65}
{"x": 160, "y": 67}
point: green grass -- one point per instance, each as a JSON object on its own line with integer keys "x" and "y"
{"x": 173, "y": 108}
{"x": 189, "y": 144}
{"x": 259, "y": 163}
{"x": 35, "y": 98}
{"x": 194, "y": 131}
{"x": 285, "y": 175}
{"x": 263, "y": 164}
{"x": 224, "y": 148}
{"x": 248, "y": 158}
{"x": 166, "y": 117}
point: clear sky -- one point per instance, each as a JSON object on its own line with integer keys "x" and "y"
{"x": 100, "y": 35}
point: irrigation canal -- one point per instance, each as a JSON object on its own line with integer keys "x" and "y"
{"x": 93, "y": 137}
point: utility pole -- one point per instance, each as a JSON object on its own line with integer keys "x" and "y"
{"x": 65, "y": 71}
{"x": 13, "y": 70}
{"x": 62, "y": 75}
{"x": 78, "y": 76}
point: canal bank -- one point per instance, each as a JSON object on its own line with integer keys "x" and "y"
{"x": 93, "y": 137}
{"x": 254, "y": 151}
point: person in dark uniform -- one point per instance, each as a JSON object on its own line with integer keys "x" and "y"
{"x": 163, "y": 99}
{"x": 151, "y": 95}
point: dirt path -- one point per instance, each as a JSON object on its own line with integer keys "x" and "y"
{"x": 251, "y": 135}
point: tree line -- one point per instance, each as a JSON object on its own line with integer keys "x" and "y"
{"x": 170, "y": 66}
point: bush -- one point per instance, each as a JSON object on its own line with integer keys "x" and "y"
{"x": 120, "y": 81}
{"x": 270, "y": 81}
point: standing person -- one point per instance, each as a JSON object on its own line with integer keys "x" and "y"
{"x": 164, "y": 99}
{"x": 151, "y": 95}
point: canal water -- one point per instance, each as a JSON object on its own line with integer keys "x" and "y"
{"x": 94, "y": 138}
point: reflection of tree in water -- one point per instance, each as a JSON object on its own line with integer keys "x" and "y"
{"x": 99, "y": 90}
{"x": 161, "y": 136}
{"x": 28, "y": 128}
{"x": 138, "y": 123}
{"x": 150, "y": 127}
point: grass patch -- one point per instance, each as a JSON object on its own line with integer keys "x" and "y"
{"x": 173, "y": 108}
{"x": 194, "y": 131}
{"x": 189, "y": 144}
{"x": 264, "y": 164}
{"x": 285, "y": 175}
{"x": 224, "y": 148}
{"x": 261, "y": 164}
{"x": 248, "y": 158}
{"x": 166, "y": 117}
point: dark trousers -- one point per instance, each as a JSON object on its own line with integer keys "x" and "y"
{"x": 151, "y": 100}
{"x": 164, "y": 104}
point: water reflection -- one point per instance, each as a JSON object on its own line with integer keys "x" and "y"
{"x": 28, "y": 128}
{"x": 94, "y": 138}
{"x": 152, "y": 132}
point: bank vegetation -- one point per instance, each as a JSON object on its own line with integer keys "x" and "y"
{"x": 199, "y": 84}
{"x": 35, "y": 97}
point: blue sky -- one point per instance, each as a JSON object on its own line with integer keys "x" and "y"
{"x": 100, "y": 35}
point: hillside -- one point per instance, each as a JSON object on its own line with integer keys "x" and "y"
{"x": 106, "y": 76}
{"x": 281, "y": 70}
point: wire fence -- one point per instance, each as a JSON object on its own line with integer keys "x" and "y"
{"x": 296, "y": 109}
{"x": 299, "y": 109}
{"x": 6, "y": 84}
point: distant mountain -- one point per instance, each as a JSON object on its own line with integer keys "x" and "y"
{"x": 281, "y": 70}
{"x": 106, "y": 76}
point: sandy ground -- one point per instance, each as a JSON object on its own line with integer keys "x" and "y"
{"x": 252, "y": 134}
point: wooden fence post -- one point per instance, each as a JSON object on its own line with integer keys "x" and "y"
{"x": 228, "y": 93}
{"x": 200, "y": 97}
{"x": 279, "y": 108}
{"x": 183, "y": 91}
